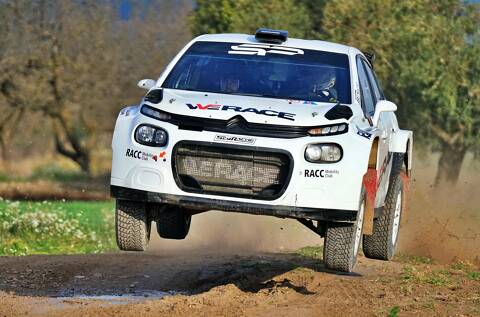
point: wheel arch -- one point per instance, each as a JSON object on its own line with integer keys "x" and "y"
{"x": 402, "y": 142}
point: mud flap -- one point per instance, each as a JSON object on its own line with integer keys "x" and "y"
{"x": 370, "y": 183}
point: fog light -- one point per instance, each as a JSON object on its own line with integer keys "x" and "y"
{"x": 151, "y": 136}
{"x": 323, "y": 153}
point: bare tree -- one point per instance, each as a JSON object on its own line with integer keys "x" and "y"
{"x": 76, "y": 64}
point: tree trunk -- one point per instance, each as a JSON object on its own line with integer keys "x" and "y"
{"x": 449, "y": 165}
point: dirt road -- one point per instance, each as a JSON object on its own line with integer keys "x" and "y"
{"x": 260, "y": 284}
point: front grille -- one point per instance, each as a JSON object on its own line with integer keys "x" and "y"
{"x": 227, "y": 170}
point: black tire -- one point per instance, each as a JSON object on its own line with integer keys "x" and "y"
{"x": 172, "y": 222}
{"x": 382, "y": 243}
{"x": 339, "y": 251}
{"x": 132, "y": 226}
{"x": 397, "y": 165}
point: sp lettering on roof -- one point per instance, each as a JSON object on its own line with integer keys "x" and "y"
{"x": 263, "y": 49}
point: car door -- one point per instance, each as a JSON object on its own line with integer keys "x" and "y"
{"x": 370, "y": 95}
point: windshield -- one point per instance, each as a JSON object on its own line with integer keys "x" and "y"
{"x": 263, "y": 70}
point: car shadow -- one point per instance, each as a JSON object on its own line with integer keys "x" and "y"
{"x": 124, "y": 274}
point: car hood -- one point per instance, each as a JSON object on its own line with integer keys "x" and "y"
{"x": 252, "y": 109}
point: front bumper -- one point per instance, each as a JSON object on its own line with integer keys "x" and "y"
{"x": 205, "y": 204}
{"x": 310, "y": 190}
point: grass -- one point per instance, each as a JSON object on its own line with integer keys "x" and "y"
{"x": 315, "y": 252}
{"x": 56, "y": 227}
{"x": 394, "y": 311}
{"x": 434, "y": 277}
{"x": 413, "y": 259}
{"x": 473, "y": 275}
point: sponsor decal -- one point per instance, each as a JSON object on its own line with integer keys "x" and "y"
{"x": 265, "y": 112}
{"x": 145, "y": 156}
{"x": 263, "y": 50}
{"x": 323, "y": 173}
{"x": 303, "y": 102}
{"x": 357, "y": 96}
{"x": 234, "y": 139}
{"x": 364, "y": 134}
{"x": 228, "y": 170}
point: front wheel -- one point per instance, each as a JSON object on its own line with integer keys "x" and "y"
{"x": 132, "y": 226}
{"x": 172, "y": 222}
{"x": 342, "y": 241}
{"x": 382, "y": 243}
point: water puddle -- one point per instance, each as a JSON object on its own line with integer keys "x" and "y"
{"x": 65, "y": 301}
{"x": 118, "y": 298}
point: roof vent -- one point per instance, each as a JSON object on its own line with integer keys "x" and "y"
{"x": 271, "y": 36}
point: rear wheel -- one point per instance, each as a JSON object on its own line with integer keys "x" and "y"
{"x": 342, "y": 241}
{"x": 132, "y": 226}
{"x": 382, "y": 243}
{"x": 172, "y": 222}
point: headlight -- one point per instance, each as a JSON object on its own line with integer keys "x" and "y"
{"x": 323, "y": 153}
{"x": 151, "y": 136}
{"x": 329, "y": 130}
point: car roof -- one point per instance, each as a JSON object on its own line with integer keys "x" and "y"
{"x": 292, "y": 42}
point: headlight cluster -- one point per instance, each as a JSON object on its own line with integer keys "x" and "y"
{"x": 151, "y": 136}
{"x": 329, "y": 129}
{"x": 323, "y": 153}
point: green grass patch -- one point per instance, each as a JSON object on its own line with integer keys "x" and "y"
{"x": 411, "y": 274}
{"x": 414, "y": 259}
{"x": 408, "y": 273}
{"x": 438, "y": 278}
{"x": 474, "y": 276}
{"x": 394, "y": 311}
{"x": 56, "y": 227}
{"x": 315, "y": 252}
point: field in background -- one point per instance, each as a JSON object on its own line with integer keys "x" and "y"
{"x": 56, "y": 227}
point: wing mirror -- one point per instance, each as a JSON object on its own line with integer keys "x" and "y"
{"x": 146, "y": 83}
{"x": 382, "y": 106}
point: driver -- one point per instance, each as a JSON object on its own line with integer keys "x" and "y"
{"x": 229, "y": 82}
{"x": 325, "y": 85}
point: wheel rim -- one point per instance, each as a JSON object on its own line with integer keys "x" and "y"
{"x": 396, "y": 218}
{"x": 358, "y": 230}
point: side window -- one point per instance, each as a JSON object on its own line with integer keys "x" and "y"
{"x": 368, "y": 102}
{"x": 374, "y": 82}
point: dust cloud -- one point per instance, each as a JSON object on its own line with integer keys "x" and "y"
{"x": 443, "y": 223}
{"x": 222, "y": 232}
{"x": 440, "y": 223}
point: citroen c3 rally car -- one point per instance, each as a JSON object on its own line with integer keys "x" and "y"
{"x": 266, "y": 125}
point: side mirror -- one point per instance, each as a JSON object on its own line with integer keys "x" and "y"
{"x": 146, "y": 83}
{"x": 382, "y": 106}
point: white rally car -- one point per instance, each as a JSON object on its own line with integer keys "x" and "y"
{"x": 269, "y": 125}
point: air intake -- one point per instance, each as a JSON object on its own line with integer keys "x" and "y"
{"x": 271, "y": 36}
